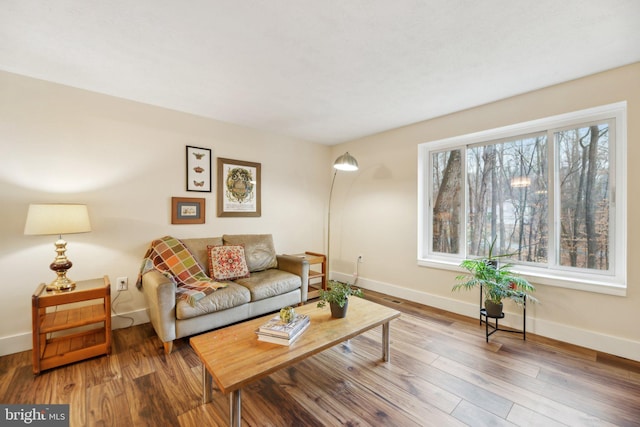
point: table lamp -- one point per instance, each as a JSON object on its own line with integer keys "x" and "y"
{"x": 49, "y": 219}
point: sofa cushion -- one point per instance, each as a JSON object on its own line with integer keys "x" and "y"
{"x": 227, "y": 262}
{"x": 269, "y": 283}
{"x": 198, "y": 248}
{"x": 222, "y": 299}
{"x": 258, "y": 250}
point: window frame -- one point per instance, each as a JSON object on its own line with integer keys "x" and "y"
{"x": 613, "y": 281}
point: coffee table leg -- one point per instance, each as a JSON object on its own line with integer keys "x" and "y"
{"x": 386, "y": 347}
{"x": 235, "y": 404}
{"x": 206, "y": 385}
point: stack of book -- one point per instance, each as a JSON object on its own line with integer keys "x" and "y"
{"x": 277, "y": 332}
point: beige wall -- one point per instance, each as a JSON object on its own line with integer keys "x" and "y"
{"x": 375, "y": 214}
{"x": 126, "y": 160}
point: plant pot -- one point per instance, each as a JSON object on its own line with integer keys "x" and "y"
{"x": 493, "y": 309}
{"x": 492, "y": 262}
{"x": 337, "y": 311}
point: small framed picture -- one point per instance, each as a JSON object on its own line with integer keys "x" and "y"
{"x": 239, "y": 188}
{"x": 198, "y": 169}
{"x": 187, "y": 210}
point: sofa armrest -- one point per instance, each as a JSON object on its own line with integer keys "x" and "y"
{"x": 298, "y": 266}
{"x": 160, "y": 294}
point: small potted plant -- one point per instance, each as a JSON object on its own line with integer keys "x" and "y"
{"x": 287, "y": 314}
{"x": 498, "y": 283}
{"x": 337, "y": 295}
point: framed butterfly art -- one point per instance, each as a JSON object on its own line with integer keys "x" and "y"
{"x": 198, "y": 169}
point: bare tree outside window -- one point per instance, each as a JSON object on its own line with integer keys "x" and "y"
{"x": 507, "y": 199}
{"x": 447, "y": 177}
{"x": 548, "y": 195}
{"x": 583, "y": 155}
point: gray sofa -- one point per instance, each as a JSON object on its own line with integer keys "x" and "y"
{"x": 275, "y": 281}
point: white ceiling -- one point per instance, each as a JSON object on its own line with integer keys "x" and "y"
{"x": 322, "y": 70}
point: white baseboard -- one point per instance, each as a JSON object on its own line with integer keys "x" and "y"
{"x": 22, "y": 342}
{"x": 125, "y": 320}
{"x": 585, "y": 338}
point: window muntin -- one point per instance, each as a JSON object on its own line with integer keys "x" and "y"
{"x": 526, "y": 175}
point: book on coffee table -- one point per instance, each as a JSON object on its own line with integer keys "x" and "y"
{"x": 281, "y": 340}
{"x": 277, "y": 328}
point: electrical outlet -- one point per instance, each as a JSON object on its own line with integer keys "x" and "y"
{"x": 122, "y": 283}
{"x": 360, "y": 258}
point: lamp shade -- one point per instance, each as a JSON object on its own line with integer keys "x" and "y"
{"x": 346, "y": 162}
{"x": 520, "y": 182}
{"x": 43, "y": 219}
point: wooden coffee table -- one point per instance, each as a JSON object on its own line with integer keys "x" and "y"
{"x": 234, "y": 357}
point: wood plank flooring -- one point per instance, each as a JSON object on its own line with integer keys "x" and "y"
{"x": 442, "y": 373}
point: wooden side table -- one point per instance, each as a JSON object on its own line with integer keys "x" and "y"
{"x": 317, "y": 277}
{"x": 64, "y": 333}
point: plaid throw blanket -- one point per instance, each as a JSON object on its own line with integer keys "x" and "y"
{"x": 172, "y": 258}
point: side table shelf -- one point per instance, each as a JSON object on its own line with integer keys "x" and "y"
{"x": 69, "y": 334}
{"x": 317, "y": 273}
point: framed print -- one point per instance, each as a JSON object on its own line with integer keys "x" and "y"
{"x": 239, "y": 188}
{"x": 187, "y": 210}
{"x": 198, "y": 169}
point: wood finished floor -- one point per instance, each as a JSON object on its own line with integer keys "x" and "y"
{"x": 442, "y": 373}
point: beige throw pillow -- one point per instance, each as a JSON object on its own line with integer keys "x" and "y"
{"x": 258, "y": 250}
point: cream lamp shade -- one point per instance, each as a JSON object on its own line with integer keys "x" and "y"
{"x": 520, "y": 182}
{"x": 48, "y": 219}
{"x": 57, "y": 219}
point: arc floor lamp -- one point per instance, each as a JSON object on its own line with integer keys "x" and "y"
{"x": 346, "y": 163}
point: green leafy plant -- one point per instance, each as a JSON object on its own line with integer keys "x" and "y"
{"x": 498, "y": 283}
{"x": 337, "y": 293}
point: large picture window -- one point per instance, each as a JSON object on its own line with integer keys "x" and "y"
{"x": 542, "y": 195}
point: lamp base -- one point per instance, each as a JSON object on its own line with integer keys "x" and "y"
{"x": 61, "y": 265}
{"x": 61, "y": 284}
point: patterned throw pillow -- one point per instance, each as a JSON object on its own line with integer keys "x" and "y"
{"x": 227, "y": 262}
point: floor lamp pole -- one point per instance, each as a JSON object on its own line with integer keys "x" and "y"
{"x": 329, "y": 225}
